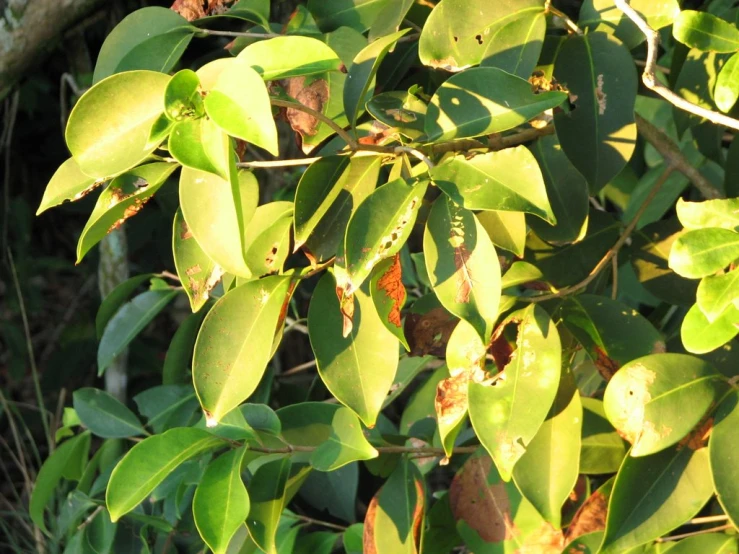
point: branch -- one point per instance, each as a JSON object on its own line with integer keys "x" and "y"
{"x": 650, "y": 68}
{"x": 25, "y": 37}
{"x": 427, "y": 450}
{"x": 613, "y": 251}
{"x": 675, "y": 158}
{"x": 571, "y": 25}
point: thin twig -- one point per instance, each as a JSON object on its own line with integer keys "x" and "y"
{"x": 11, "y": 112}
{"x": 699, "y": 532}
{"x": 416, "y": 154}
{"x": 708, "y": 519}
{"x": 660, "y": 68}
{"x": 428, "y": 450}
{"x": 235, "y": 34}
{"x": 611, "y": 251}
{"x": 31, "y": 357}
{"x": 312, "y": 521}
{"x": 318, "y": 115}
{"x": 295, "y": 325}
{"x": 614, "y": 282}
{"x": 297, "y": 369}
{"x": 650, "y": 80}
{"x": 675, "y": 158}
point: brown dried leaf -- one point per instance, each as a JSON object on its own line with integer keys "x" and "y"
{"x": 698, "y": 437}
{"x": 195, "y": 9}
{"x": 315, "y": 95}
{"x": 590, "y": 517}
{"x": 429, "y": 333}
{"x": 391, "y": 283}
{"x": 346, "y": 305}
{"x": 607, "y": 367}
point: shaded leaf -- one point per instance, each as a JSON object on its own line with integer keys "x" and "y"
{"x": 726, "y": 91}
{"x": 400, "y": 110}
{"x": 483, "y": 101}
{"x": 104, "y": 415}
{"x": 591, "y": 517}
{"x": 116, "y": 298}
{"x": 167, "y": 406}
{"x": 504, "y": 418}
{"x": 345, "y": 444}
{"x": 516, "y": 43}
{"x": 722, "y": 450}
{"x": 602, "y": 448}
{"x": 357, "y": 14}
{"x": 267, "y": 495}
{"x": 149, "y": 462}
{"x": 600, "y": 76}
{"x": 235, "y": 344}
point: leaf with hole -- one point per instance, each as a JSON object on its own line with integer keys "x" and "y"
{"x": 201, "y": 145}
{"x": 726, "y": 91}
{"x": 716, "y": 292}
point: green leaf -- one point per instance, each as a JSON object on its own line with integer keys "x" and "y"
{"x": 182, "y": 97}
{"x": 603, "y": 449}
{"x": 167, "y": 406}
{"x": 701, "y": 336}
{"x": 328, "y": 193}
{"x": 379, "y": 228}
{"x": 502, "y": 414}
{"x": 289, "y": 56}
{"x": 123, "y": 198}
{"x": 389, "y": 295}
{"x": 605, "y": 16}
{"x": 267, "y": 253}
{"x": 221, "y": 503}
{"x": 358, "y": 369}
{"x": 601, "y": 78}
{"x": 197, "y": 272}
{"x": 566, "y": 190}
{"x": 235, "y": 344}
{"x": 547, "y": 472}
{"x": 462, "y": 33}
{"x": 520, "y": 273}
{"x": 389, "y": 19}
{"x": 507, "y": 230}
{"x": 506, "y": 180}
{"x": 334, "y": 492}
{"x": 68, "y": 184}
{"x": 702, "y": 252}
{"x": 516, "y": 43}
{"x": 711, "y": 543}
{"x": 267, "y": 494}
{"x": 612, "y": 333}
{"x": 150, "y": 38}
{"x": 239, "y": 104}
{"x": 346, "y": 443}
{"x": 115, "y": 299}
{"x": 216, "y": 212}
{"x": 104, "y": 415}
{"x": 723, "y": 213}
{"x": 254, "y": 11}
{"x": 400, "y": 110}
{"x": 149, "y": 462}
{"x": 706, "y": 32}
{"x": 482, "y": 101}
{"x": 357, "y": 14}
{"x": 128, "y": 322}
{"x": 200, "y": 144}
{"x": 361, "y": 77}
{"x": 462, "y": 265}
{"x": 655, "y": 494}
{"x": 696, "y": 83}
{"x": 726, "y": 91}
{"x": 395, "y": 512}
{"x": 722, "y": 450}
{"x": 74, "y": 450}
{"x": 657, "y": 400}
{"x": 108, "y": 129}
{"x": 306, "y": 424}
{"x": 179, "y": 354}
{"x": 716, "y": 293}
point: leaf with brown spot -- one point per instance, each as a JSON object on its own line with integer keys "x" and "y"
{"x": 646, "y": 401}
{"x": 346, "y": 307}
{"x": 489, "y": 510}
{"x": 388, "y": 294}
{"x": 592, "y": 514}
{"x": 429, "y": 333}
{"x": 462, "y": 265}
{"x": 392, "y": 524}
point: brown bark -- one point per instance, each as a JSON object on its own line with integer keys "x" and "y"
{"x": 30, "y": 28}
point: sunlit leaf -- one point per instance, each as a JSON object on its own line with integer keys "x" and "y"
{"x": 723, "y": 213}
{"x": 705, "y": 31}
{"x": 605, "y": 16}
{"x": 201, "y": 145}
{"x": 289, "y": 56}
{"x": 702, "y": 252}
{"x": 68, "y": 184}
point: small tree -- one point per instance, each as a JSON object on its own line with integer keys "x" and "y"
{"x": 494, "y": 249}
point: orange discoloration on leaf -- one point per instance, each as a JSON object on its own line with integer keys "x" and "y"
{"x": 193, "y": 270}
{"x": 429, "y": 333}
{"x": 607, "y": 366}
{"x": 590, "y": 517}
{"x": 185, "y": 232}
{"x": 195, "y": 9}
{"x": 286, "y": 305}
{"x": 391, "y": 283}
{"x": 698, "y": 437}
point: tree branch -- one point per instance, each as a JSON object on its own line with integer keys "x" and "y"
{"x": 650, "y": 68}
{"x": 427, "y": 450}
{"x": 675, "y": 158}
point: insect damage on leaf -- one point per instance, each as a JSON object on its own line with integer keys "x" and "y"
{"x": 600, "y": 96}
{"x": 185, "y": 232}
{"x": 201, "y": 288}
{"x": 391, "y": 283}
{"x": 629, "y": 421}
{"x": 461, "y": 257}
{"x": 346, "y": 306}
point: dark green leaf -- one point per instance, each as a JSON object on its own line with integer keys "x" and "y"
{"x": 179, "y": 354}
{"x": 357, "y": 14}
{"x": 602, "y": 448}
{"x": 128, "y": 322}
{"x": 401, "y": 110}
{"x": 722, "y": 450}
{"x": 167, "y": 406}
{"x": 267, "y": 495}
{"x": 116, "y": 298}
{"x": 601, "y": 78}
{"x": 104, "y": 415}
